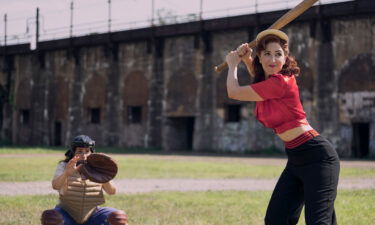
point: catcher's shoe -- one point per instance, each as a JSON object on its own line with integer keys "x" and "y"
{"x": 51, "y": 217}
{"x": 118, "y": 217}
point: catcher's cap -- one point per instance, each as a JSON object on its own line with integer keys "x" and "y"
{"x": 275, "y": 32}
{"x": 82, "y": 141}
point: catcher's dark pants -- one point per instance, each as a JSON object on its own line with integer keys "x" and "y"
{"x": 310, "y": 177}
{"x": 99, "y": 217}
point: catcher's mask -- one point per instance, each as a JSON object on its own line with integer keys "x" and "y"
{"x": 82, "y": 141}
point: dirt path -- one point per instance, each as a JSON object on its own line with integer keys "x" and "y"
{"x": 133, "y": 186}
{"x": 251, "y": 160}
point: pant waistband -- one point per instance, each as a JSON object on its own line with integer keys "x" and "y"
{"x": 308, "y": 135}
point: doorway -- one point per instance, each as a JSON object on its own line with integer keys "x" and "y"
{"x": 58, "y": 132}
{"x": 361, "y": 139}
{"x": 181, "y": 132}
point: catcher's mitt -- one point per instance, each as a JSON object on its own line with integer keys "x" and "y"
{"x": 99, "y": 168}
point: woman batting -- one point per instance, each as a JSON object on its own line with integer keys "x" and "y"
{"x": 311, "y": 175}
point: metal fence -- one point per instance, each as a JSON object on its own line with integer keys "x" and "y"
{"x": 36, "y": 30}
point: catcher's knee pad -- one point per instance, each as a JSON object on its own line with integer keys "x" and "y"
{"x": 51, "y": 217}
{"x": 118, "y": 217}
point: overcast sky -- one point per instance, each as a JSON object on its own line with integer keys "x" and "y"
{"x": 91, "y": 16}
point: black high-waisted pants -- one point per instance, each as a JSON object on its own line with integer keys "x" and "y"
{"x": 310, "y": 178}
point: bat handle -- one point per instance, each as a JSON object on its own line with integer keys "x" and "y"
{"x": 224, "y": 65}
{"x": 221, "y": 67}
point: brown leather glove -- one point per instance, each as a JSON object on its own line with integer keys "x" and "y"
{"x": 99, "y": 168}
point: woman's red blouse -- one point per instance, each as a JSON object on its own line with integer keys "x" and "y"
{"x": 281, "y": 108}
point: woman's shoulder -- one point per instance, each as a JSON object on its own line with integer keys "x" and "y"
{"x": 61, "y": 164}
{"x": 60, "y": 168}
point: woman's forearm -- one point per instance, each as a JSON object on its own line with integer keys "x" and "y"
{"x": 110, "y": 188}
{"x": 249, "y": 65}
{"x": 60, "y": 181}
{"x": 232, "y": 81}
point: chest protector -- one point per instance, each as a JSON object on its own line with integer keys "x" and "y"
{"x": 81, "y": 198}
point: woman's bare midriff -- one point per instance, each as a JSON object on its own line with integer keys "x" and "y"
{"x": 294, "y": 132}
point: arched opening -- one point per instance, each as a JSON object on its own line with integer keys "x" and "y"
{"x": 135, "y": 97}
{"x": 95, "y": 99}
{"x": 180, "y": 111}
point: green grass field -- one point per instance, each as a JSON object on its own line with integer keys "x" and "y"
{"x": 171, "y": 208}
{"x": 192, "y": 208}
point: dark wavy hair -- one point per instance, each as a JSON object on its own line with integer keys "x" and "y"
{"x": 290, "y": 68}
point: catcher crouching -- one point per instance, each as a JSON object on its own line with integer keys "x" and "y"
{"x": 80, "y": 180}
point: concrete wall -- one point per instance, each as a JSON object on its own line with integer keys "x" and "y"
{"x": 161, "y": 90}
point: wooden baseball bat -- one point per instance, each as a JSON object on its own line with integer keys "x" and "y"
{"x": 280, "y": 23}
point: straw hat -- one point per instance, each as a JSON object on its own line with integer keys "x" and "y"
{"x": 275, "y": 32}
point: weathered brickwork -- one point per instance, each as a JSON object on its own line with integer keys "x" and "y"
{"x": 160, "y": 89}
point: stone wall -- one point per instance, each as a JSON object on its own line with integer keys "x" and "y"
{"x": 161, "y": 90}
